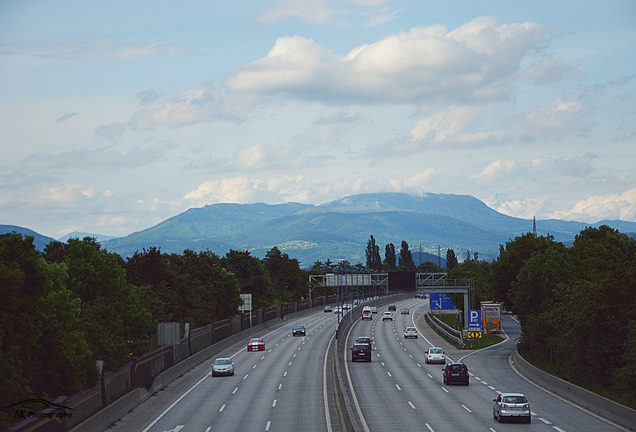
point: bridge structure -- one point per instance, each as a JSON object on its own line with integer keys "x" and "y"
{"x": 354, "y": 283}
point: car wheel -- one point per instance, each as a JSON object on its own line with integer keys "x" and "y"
{"x": 529, "y": 419}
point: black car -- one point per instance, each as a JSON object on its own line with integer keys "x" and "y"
{"x": 361, "y": 352}
{"x": 298, "y": 330}
{"x": 392, "y": 307}
{"x": 456, "y": 372}
{"x": 364, "y": 340}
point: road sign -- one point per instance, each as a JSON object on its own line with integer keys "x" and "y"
{"x": 441, "y": 302}
{"x": 474, "y": 335}
{"x": 474, "y": 320}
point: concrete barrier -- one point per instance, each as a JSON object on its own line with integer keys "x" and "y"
{"x": 604, "y": 407}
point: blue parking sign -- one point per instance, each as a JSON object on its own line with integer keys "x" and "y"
{"x": 441, "y": 302}
{"x": 474, "y": 320}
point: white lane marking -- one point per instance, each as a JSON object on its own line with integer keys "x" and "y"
{"x": 388, "y": 373}
{"x": 484, "y": 383}
{"x": 429, "y": 375}
{"x": 477, "y": 378}
{"x": 491, "y": 387}
{"x": 412, "y": 406}
{"x": 398, "y": 387}
{"x": 466, "y": 408}
{"x": 208, "y": 429}
{"x": 289, "y": 364}
{"x": 245, "y": 377}
{"x": 280, "y": 386}
{"x": 274, "y": 403}
{"x": 429, "y": 427}
{"x": 235, "y": 390}
{"x": 222, "y": 408}
{"x": 267, "y": 426}
{"x": 285, "y": 374}
{"x": 444, "y": 388}
{"x": 418, "y": 365}
{"x": 558, "y": 429}
{"x": 545, "y": 421}
{"x": 254, "y": 367}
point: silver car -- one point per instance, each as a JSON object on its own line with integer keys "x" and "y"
{"x": 222, "y": 366}
{"x": 511, "y": 405}
{"x": 435, "y": 355}
{"x": 410, "y": 332}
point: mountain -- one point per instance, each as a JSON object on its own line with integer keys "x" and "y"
{"x": 340, "y": 229}
{"x": 81, "y": 235}
{"x": 39, "y": 241}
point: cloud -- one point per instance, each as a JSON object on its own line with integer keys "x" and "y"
{"x": 106, "y": 48}
{"x": 600, "y": 207}
{"x": 496, "y": 170}
{"x": 65, "y": 117}
{"x": 475, "y": 62}
{"x": 552, "y": 121}
{"x": 309, "y": 11}
{"x": 549, "y": 70}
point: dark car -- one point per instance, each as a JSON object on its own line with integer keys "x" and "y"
{"x": 298, "y": 330}
{"x": 364, "y": 340}
{"x": 361, "y": 352}
{"x": 392, "y": 307}
{"x": 456, "y": 372}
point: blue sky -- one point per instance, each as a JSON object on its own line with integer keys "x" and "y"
{"x": 117, "y": 115}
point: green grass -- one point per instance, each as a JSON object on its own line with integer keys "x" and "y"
{"x": 450, "y": 319}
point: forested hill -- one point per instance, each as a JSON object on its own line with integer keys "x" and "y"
{"x": 340, "y": 229}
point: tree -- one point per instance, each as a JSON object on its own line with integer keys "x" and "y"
{"x": 451, "y": 259}
{"x": 389, "y": 256}
{"x": 289, "y": 281}
{"x": 253, "y": 277}
{"x": 406, "y": 259}
{"x": 374, "y": 261}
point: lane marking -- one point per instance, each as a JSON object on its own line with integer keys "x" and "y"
{"x": 466, "y": 408}
{"x": 222, "y": 408}
{"x": 412, "y": 406}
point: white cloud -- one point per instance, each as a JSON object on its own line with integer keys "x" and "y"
{"x": 475, "y": 62}
{"x": 251, "y": 158}
{"x": 309, "y": 11}
{"x": 496, "y": 170}
{"x": 599, "y": 207}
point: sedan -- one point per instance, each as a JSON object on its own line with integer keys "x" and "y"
{"x": 511, "y": 405}
{"x": 410, "y": 332}
{"x": 404, "y": 311}
{"x": 222, "y": 366}
{"x": 298, "y": 330}
{"x": 435, "y": 355}
{"x": 328, "y": 309}
{"x": 256, "y": 344}
{"x": 387, "y": 316}
{"x": 364, "y": 340}
{"x": 361, "y": 352}
{"x": 392, "y": 307}
{"x": 456, "y": 372}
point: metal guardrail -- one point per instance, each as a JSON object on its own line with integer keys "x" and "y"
{"x": 452, "y": 333}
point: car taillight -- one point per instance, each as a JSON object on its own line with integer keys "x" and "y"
{"x": 502, "y": 405}
{"x": 527, "y": 406}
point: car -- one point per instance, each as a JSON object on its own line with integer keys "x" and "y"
{"x": 435, "y": 355}
{"x": 424, "y": 296}
{"x": 361, "y": 351}
{"x": 392, "y": 307}
{"x": 374, "y": 309}
{"x": 387, "y": 316}
{"x": 404, "y": 311}
{"x": 298, "y": 330}
{"x": 256, "y": 344}
{"x": 511, "y": 405}
{"x": 366, "y": 315}
{"x": 364, "y": 340}
{"x": 328, "y": 309}
{"x": 222, "y": 366}
{"x": 410, "y": 332}
{"x": 337, "y": 310}
{"x": 456, "y": 372}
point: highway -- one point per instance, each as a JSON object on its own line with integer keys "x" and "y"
{"x": 398, "y": 391}
{"x": 282, "y": 388}
{"x": 279, "y": 389}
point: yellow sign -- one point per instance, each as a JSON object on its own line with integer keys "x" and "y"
{"x": 474, "y": 335}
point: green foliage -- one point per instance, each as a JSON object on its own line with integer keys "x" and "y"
{"x": 577, "y": 306}
{"x": 451, "y": 259}
{"x": 252, "y": 276}
{"x": 405, "y": 261}
{"x": 289, "y": 281}
{"x": 372, "y": 252}
{"x": 390, "y": 260}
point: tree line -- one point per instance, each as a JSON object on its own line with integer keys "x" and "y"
{"x": 75, "y": 303}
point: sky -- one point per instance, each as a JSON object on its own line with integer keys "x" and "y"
{"x": 117, "y": 115}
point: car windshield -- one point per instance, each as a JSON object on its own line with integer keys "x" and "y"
{"x": 435, "y": 350}
{"x": 410, "y": 329}
{"x": 514, "y": 399}
{"x": 360, "y": 347}
{"x": 299, "y": 327}
{"x": 457, "y": 367}
{"x": 255, "y": 340}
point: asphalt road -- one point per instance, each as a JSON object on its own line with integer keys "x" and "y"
{"x": 279, "y": 389}
{"x": 397, "y": 391}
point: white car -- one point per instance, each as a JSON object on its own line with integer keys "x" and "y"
{"x": 387, "y": 316}
{"x": 410, "y": 332}
{"x": 435, "y": 355}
